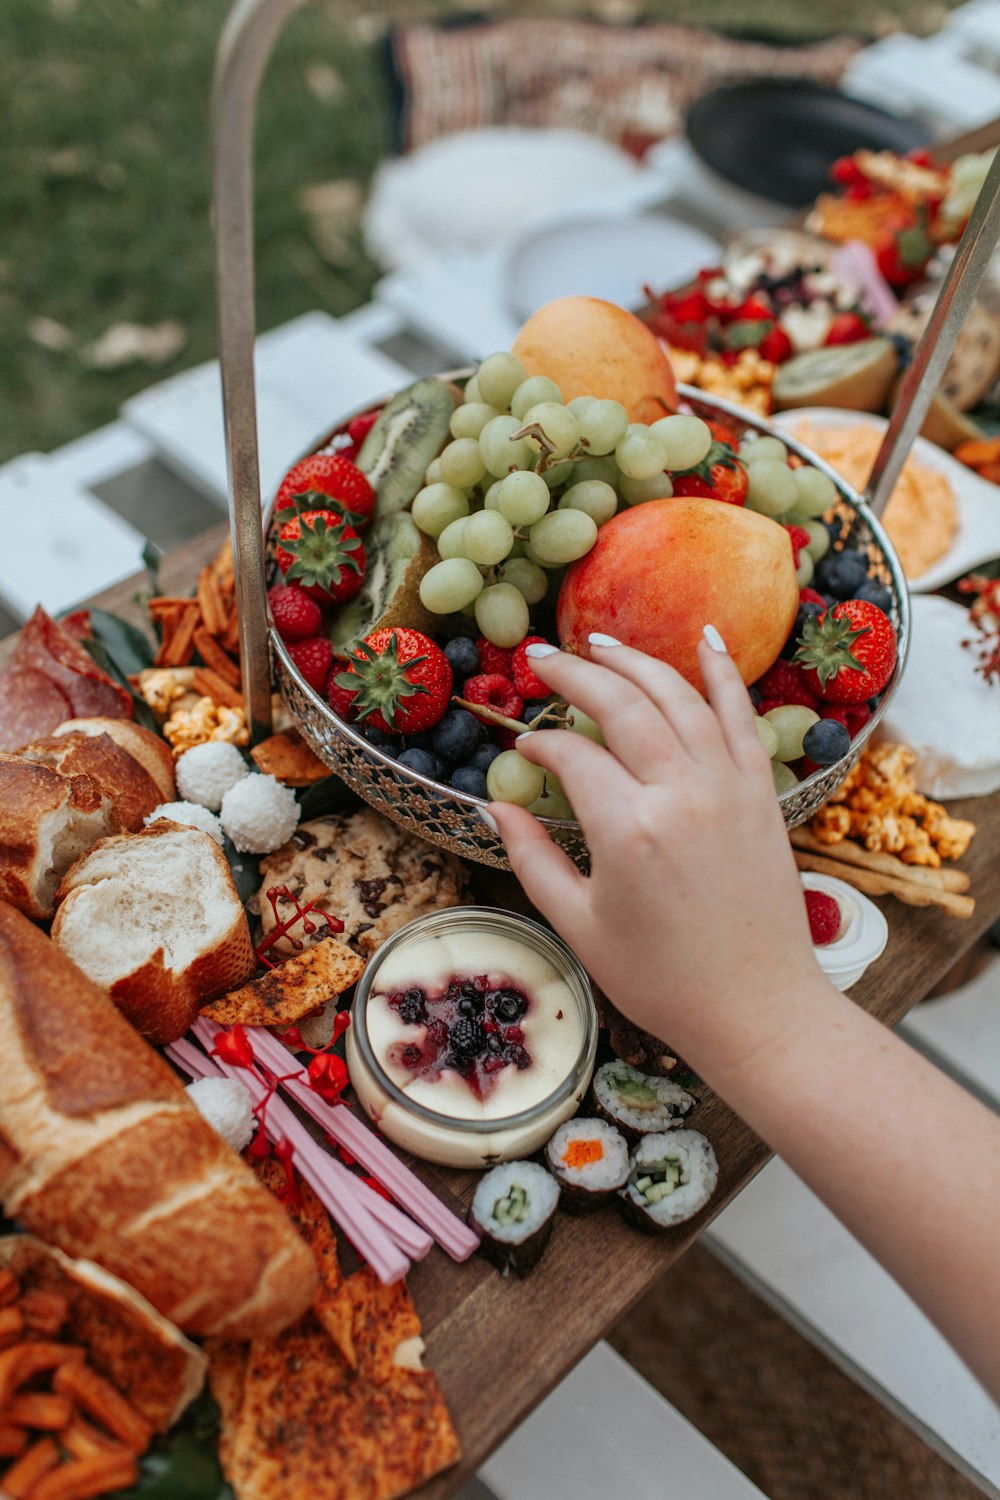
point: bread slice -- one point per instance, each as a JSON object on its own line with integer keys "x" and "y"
{"x": 132, "y": 792}
{"x": 152, "y": 752}
{"x": 154, "y": 917}
{"x": 47, "y": 820}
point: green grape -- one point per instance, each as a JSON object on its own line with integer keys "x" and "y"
{"x": 517, "y": 547}
{"x": 804, "y": 571}
{"x": 593, "y": 497}
{"x": 551, "y": 804}
{"x": 530, "y": 392}
{"x": 640, "y": 455}
{"x": 604, "y": 469}
{"x": 815, "y": 491}
{"x": 472, "y": 392}
{"x": 462, "y": 463}
{"x": 686, "y": 440}
{"x": 491, "y": 500}
{"x": 450, "y": 540}
{"x": 635, "y": 491}
{"x": 819, "y": 539}
{"x": 602, "y": 425}
{"x": 436, "y": 506}
{"x": 784, "y": 777}
{"x": 469, "y": 420}
{"x": 561, "y": 537}
{"x": 511, "y": 778}
{"x": 502, "y": 614}
{"x": 581, "y": 723}
{"x": 433, "y": 475}
{"x": 579, "y": 405}
{"x": 523, "y": 498}
{"x": 450, "y": 585}
{"x": 770, "y": 487}
{"x": 768, "y": 736}
{"x": 468, "y": 610}
{"x": 501, "y": 455}
{"x": 487, "y": 538}
{"x": 498, "y": 377}
{"x": 558, "y": 424}
{"x": 527, "y": 577}
{"x": 791, "y": 721}
{"x": 557, "y": 474}
{"x": 752, "y": 451}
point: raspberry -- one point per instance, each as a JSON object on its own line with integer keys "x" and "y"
{"x": 527, "y": 684}
{"x": 858, "y": 715}
{"x": 313, "y": 658}
{"x": 810, "y": 596}
{"x": 824, "y": 917}
{"x": 785, "y": 683}
{"x": 296, "y": 616}
{"x": 833, "y": 711}
{"x": 494, "y": 660}
{"x": 341, "y": 700}
{"x": 800, "y": 538}
{"x": 494, "y": 691}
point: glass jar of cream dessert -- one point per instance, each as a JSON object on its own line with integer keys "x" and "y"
{"x": 473, "y": 1036}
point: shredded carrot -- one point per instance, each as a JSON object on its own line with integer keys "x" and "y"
{"x": 582, "y": 1153}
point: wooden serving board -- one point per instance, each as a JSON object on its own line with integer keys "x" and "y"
{"x": 500, "y": 1346}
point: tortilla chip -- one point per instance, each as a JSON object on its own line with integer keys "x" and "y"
{"x": 293, "y": 990}
{"x": 384, "y": 1317}
{"x": 288, "y": 759}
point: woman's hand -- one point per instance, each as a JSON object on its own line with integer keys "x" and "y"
{"x": 692, "y": 919}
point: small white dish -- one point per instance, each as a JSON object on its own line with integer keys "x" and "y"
{"x": 863, "y": 934}
{"x": 978, "y": 537}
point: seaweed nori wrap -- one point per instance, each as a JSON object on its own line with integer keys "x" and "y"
{"x": 512, "y": 1212}
{"x": 672, "y": 1176}
{"x": 638, "y": 1103}
{"x": 590, "y": 1160}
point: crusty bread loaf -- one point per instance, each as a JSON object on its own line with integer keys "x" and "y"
{"x": 152, "y": 753}
{"x": 155, "y": 919}
{"x": 46, "y": 821}
{"x": 102, "y": 1155}
{"x": 131, "y": 791}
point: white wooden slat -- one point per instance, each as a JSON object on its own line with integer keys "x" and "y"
{"x": 961, "y": 1032}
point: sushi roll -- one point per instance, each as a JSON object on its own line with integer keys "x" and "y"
{"x": 672, "y": 1175}
{"x": 637, "y": 1103}
{"x": 512, "y": 1212}
{"x": 589, "y": 1160}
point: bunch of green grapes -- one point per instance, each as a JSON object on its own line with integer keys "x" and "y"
{"x": 781, "y": 732}
{"x": 794, "y": 496}
{"x": 511, "y": 778}
{"x": 526, "y": 483}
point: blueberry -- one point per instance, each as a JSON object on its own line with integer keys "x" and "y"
{"x": 506, "y": 1005}
{"x": 841, "y": 573}
{"x": 420, "y": 741}
{"x": 756, "y": 696}
{"x": 807, "y": 611}
{"x": 423, "y": 763}
{"x": 484, "y": 757}
{"x": 469, "y": 779}
{"x": 463, "y": 656}
{"x": 469, "y": 1007}
{"x": 826, "y": 741}
{"x": 456, "y": 736}
{"x": 835, "y": 526}
{"x": 874, "y": 593}
{"x": 390, "y": 743}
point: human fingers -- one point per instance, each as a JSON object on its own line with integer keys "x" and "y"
{"x": 594, "y": 781}
{"x": 730, "y": 701}
{"x": 550, "y": 880}
{"x": 683, "y": 707}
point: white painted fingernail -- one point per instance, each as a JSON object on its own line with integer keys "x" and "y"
{"x": 714, "y": 639}
{"x": 540, "y": 648}
{"x": 598, "y": 638}
{"x": 527, "y": 735}
{"x": 488, "y": 819}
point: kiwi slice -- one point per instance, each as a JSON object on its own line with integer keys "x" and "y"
{"x": 398, "y": 556}
{"x": 944, "y": 424}
{"x": 854, "y": 376}
{"x": 408, "y": 433}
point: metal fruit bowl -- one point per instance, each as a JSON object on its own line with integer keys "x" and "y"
{"x": 450, "y": 818}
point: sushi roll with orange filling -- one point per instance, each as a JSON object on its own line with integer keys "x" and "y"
{"x": 589, "y": 1160}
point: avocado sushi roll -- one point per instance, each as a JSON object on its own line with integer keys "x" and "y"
{"x": 637, "y": 1103}
{"x": 672, "y": 1175}
{"x": 589, "y": 1159}
{"x": 512, "y": 1212}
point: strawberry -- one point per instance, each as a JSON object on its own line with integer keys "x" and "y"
{"x": 848, "y": 653}
{"x": 776, "y": 346}
{"x": 358, "y": 428}
{"x": 324, "y": 554}
{"x": 341, "y": 700}
{"x": 400, "y": 679}
{"x": 903, "y": 250}
{"x": 527, "y": 684}
{"x": 785, "y": 683}
{"x": 495, "y": 660}
{"x": 847, "y": 328}
{"x": 324, "y": 477}
{"x": 810, "y": 596}
{"x": 799, "y": 538}
{"x": 496, "y": 692}
{"x": 313, "y": 658}
{"x": 296, "y": 615}
{"x": 720, "y": 475}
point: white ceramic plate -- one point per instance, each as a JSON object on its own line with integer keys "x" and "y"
{"x": 604, "y": 257}
{"x": 978, "y": 537}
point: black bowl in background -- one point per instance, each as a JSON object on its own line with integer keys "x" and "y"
{"x": 778, "y": 138}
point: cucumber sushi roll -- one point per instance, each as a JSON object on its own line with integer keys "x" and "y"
{"x": 637, "y": 1103}
{"x": 672, "y": 1175}
{"x": 589, "y": 1159}
{"x": 512, "y": 1212}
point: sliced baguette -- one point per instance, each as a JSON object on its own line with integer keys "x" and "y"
{"x": 130, "y": 789}
{"x": 152, "y": 753}
{"x": 47, "y": 820}
{"x": 154, "y": 918}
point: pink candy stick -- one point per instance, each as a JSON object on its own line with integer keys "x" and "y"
{"x": 368, "y": 1148}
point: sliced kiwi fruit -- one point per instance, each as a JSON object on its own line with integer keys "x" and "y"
{"x": 944, "y": 424}
{"x": 408, "y": 433}
{"x": 854, "y": 376}
{"x": 398, "y": 556}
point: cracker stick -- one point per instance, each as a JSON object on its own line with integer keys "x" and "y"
{"x": 222, "y": 564}
{"x": 211, "y": 602}
{"x": 165, "y": 604}
{"x": 41, "y": 1410}
{"x": 83, "y": 1440}
{"x": 11, "y": 1326}
{"x": 211, "y": 685}
{"x": 107, "y": 1406}
{"x": 85, "y": 1478}
{"x": 177, "y": 646}
{"x": 44, "y": 1312}
{"x": 872, "y": 883}
{"x": 13, "y": 1441}
{"x": 230, "y": 639}
{"x": 216, "y": 659}
{"x": 10, "y": 1287}
{"x": 30, "y": 1468}
{"x": 25, "y": 1361}
{"x": 885, "y": 864}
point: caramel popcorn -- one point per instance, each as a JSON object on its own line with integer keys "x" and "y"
{"x": 205, "y": 721}
{"x": 746, "y": 381}
{"x": 878, "y": 806}
{"x": 164, "y": 688}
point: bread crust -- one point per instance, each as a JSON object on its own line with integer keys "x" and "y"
{"x": 152, "y": 752}
{"x": 107, "y": 1158}
{"x": 130, "y": 790}
{"x": 31, "y": 794}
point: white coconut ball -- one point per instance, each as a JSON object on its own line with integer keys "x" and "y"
{"x": 225, "y": 1105}
{"x": 190, "y": 813}
{"x": 259, "y": 814}
{"x": 206, "y": 772}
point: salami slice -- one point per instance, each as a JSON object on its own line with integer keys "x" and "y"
{"x": 45, "y": 647}
{"x": 31, "y": 706}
